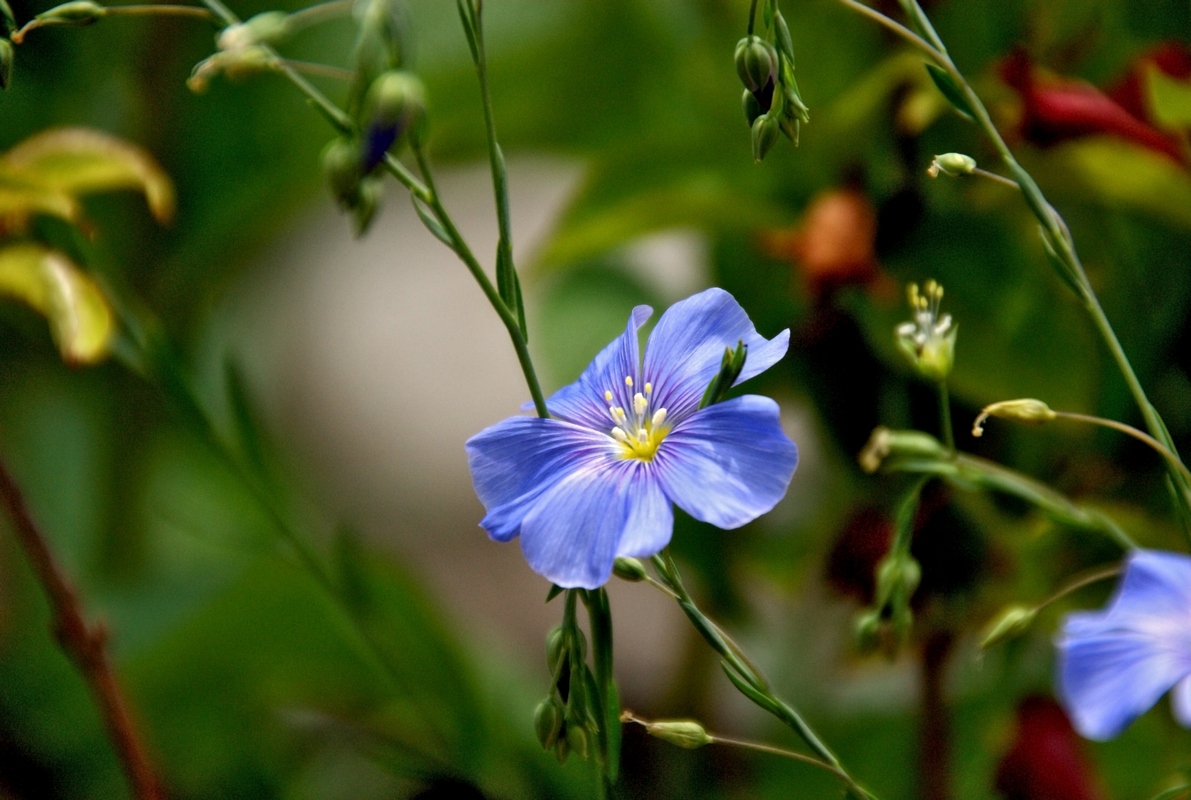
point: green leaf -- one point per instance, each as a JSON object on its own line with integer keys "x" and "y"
{"x": 432, "y": 224}
{"x": 1171, "y": 794}
{"x": 1170, "y": 99}
{"x": 950, "y": 91}
{"x": 50, "y": 170}
{"x": 80, "y": 318}
{"x": 245, "y": 420}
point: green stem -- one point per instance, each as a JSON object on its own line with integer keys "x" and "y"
{"x": 743, "y": 674}
{"x": 312, "y": 15}
{"x": 1078, "y": 582}
{"x": 1172, "y": 459}
{"x": 507, "y": 316}
{"x": 752, "y": 17}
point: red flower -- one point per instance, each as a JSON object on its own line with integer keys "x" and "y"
{"x": 1059, "y": 109}
{"x": 1045, "y": 761}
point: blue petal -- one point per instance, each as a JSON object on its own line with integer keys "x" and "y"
{"x": 573, "y": 533}
{"x": 582, "y": 402}
{"x": 685, "y": 349}
{"x": 513, "y": 462}
{"x": 729, "y": 463}
{"x": 1180, "y": 702}
{"x": 1116, "y": 663}
{"x": 651, "y": 519}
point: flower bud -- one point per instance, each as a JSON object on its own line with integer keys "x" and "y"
{"x": 576, "y": 739}
{"x": 236, "y": 63}
{"x": 547, "y": 722}
{"x": 6, "y": 58}
{"x": 269, "y": 27}
{"x": 1013, "y": 621}
{"x": 868, "y": 630}
{"x": 954, "y": 164}
{"x": 1028, "y": 410}
{"x": 372, "y": 191}
{"x": 7, "y": 19}
{"x": 781, "y": 35}
{"x": 629, "y": 569}
{"x": 756, "y": 62}
{"x": 79, "y": 12}
{"x": 554, "y": 648}
{"x": 683, "y": 732}
{"x": 765, "y": 133}
{"x": 885, "y": 443}
{"x": 898, "y": 577}
{"x": 752, "y": 107}
{"x": 395, "y": 102}
{"x": 562, "y": 749}
{"x": 341, "y": 166}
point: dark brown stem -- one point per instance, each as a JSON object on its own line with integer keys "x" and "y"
{"x": 934, "y": 744}
{"x": 84, "y": 644}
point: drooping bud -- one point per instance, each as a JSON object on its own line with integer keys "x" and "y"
{"x": 1013, "y": 621}
{"x": 928, "y": 341}
{"x": 954, "y": 164}
{"x": 898, "y": 576}
{"x": 576, "y": 739}
{"x": 7, "y": 19}
{"x": 548, "y": 722}
{"x": 395, "y": 103}
{"x": 752, "y": 107}
{"x": 341, "y": 166}
{"x": 1028, "y": 410}
{"x": 682, "y": 732}
{"x": 756, "y": 63}
{"x": 731, "y": 366}
{"x": 7, "y": 56}
{"x": 78, "y": 12}
{"x": 629, "y": 569}
{"x": 269, "y": 27}
{"x": 885, "y": 443}
{"x": 237, "y": 63}
{"x": 868, "y": 630}
{"x": 554, "y": 648}
{"x": 765, "y": 132}
{"x": 372, "y": 191}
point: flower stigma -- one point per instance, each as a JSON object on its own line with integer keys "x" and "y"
{"x": 639, "y": 433}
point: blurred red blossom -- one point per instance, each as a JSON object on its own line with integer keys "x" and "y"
{"x": 1045, "y": 761}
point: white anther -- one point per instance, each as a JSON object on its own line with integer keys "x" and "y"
{"x": 643, "y": 435}
{"x": 640, "y": 403}
{"x": 659, "y": 417}
{"x": 619, "y": 435}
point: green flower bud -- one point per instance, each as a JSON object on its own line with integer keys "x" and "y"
{"x": 885, "y": 443}
{"x": 752, "y": 107}
{"x": 1028, "y": 410}
{"x": 554, "y": 648}
{"x": 395, "y": 97}
{"x": 79, "y": 12}
{"x": 7, "y": 56}
{"x": 237, "y": 63}
{"x": 898, "y": 577}
{"x": 547, "y": 722}
{"x": 562, "y": 749}
{"x": 928, "y": 341}
{"x": 684, "y": 733}
{"x": 953, "y": 164}
{"x": 7, "y": 19}
{"x": 868, "y": 630}
{"x": 756, "y": 62}
{"x": 577, "y": 740}
{"x": 1013, "y": 621}
{"x": 765, "y": 133}
{"x": 341, "y": 166}
{"x": 269, "y": 27}
{"x": 372, "y": 191}
{"x": 629, "y": 569}
{"x": 785, "y": 44}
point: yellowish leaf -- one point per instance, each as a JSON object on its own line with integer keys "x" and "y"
{"x": 80, "y": 318}
{"x": 66, "y": 162}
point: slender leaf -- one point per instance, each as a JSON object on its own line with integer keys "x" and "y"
{"x": 952, "y": 92}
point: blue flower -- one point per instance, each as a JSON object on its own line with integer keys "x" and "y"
{"x": 1116, "y": 663}
{"x": 596, "y": 480}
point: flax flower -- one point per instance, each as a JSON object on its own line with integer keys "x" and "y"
{"x": 1116, "y": 663}
{"x": 596, "y": 480}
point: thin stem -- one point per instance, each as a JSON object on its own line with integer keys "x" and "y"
{"x": 86, "y": 645}
{"x": 945, "y": 416}
{"x": 752, "y": 17}
{"x": 992, "y": 176}
{"x": 897, "y": 28}
{"x": 158, "y": 10}
{"x": 312, "y": 15}
{"x": 1079, "y": 582}
{"x": 1129, "y": 430}
{"x": 320, "y": 70}
{"x": 507, "y": 316}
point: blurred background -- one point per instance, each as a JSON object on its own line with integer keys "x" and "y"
{"x": 370, "y": 361}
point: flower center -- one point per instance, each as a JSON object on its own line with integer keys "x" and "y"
{"x": 637, "y": 431}
{"x": 928, "y": 329}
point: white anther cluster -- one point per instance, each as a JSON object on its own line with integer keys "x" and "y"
{"x": 639, "y": 431}
{"x": 927, "y": 326}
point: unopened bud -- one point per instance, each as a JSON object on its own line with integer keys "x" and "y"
{"x": 269, "y": 27}
{"x": 7, "y": 56}
{"x": 1028, "y": 410}
{"x": 756, "y": 62}
{"x": 629, "y": 569}
{"x": 7, "y": 19}
{"x": 1013, "y": 621}
{"x": 885, "y": 443}
{"x": 765, "y": 132}
{"x": 395, "y": 103}
{"x": 577, "y": 740}
{"x": 683, "y": 732}
{"x": 954, "y": 164}
{"x": 781, "y": 35}
{"x": 236, "y": 63}
{"x": 868, "y": 630}
{"x": 547, "y": 722}
{"x": 341, "y": 166}
{"x": 372, "y": 191}
{"x": 554, "y": 648}
{"x": 562, "y": 749}
{"x": 898, "y": 577}
{"x": 79, "y": 12}
{"x": 752, "y": 107}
